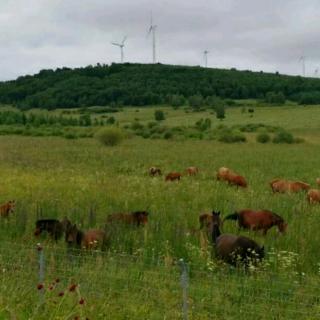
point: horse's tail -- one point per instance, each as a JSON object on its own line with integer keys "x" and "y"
{"x": 233, "y": 216}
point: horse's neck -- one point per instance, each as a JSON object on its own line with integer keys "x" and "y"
{"x": 215, "y": 233}
{"x": 80, "y": 236}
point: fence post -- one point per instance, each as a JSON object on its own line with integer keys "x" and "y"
{"x": 184, "y": 284}
{"x": 41, "y": 272}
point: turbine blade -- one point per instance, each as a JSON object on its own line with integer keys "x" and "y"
{"x": 124, "y": 39}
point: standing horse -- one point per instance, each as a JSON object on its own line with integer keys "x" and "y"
{"x": 91, "y": 239}
{"x": 313, "y": 196}
{"x": 258, "y": 220}
{"x": 208, "y": 220}
{"x": 53, "y": 227}
{"x": 231, "y": 177}
{"x": 173, "y": 176}
{"x": 7, "y": 208}
{"x": 283, "y": 186}
{"x": 236, "y": 250}
{"x": 154, "y": 171}
{"x": 192, "y": 171}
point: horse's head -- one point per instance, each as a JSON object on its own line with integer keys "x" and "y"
{"x": 282, "y": 226}
{"x": 72, "y": 235}
{"x": 141, "y": 217}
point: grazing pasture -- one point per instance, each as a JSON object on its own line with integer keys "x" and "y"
{"x": 138, "y": 276}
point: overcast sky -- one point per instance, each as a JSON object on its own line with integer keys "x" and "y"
{"x": 267, "y": 35}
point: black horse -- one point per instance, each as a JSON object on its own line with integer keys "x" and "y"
{"x": 53, "y": 227}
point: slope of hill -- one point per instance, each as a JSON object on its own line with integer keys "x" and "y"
{"x": 148, "y": 84}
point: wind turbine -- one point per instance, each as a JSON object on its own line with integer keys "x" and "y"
{"x": 152, "y": 29}
{"x": 205, "y": 56}
{"x": 303, "y": 60}
{"x": 121, "y": 46}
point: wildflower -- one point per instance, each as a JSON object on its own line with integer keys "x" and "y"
{"x": 51, "y": 288}
{"x": 57, "y": 280}
{"x": 61, "y": 294}
{"x": 81, "y": 301}
{"x": 40, "y": 286}
{"x": 72, "y": 287}
{"x": 39, "y": 247}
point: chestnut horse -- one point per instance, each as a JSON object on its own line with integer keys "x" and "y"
{"x": 53, "y": 227}
{"x": 91, "y": 239}
{"x": 172, "y": 176}
{"x": 313, "y": 196}
{"x": 231, "y": 177}
{"x": 7, "y": 208}
{"x": 282, "y": 186}
{"x": 258, "y": 220}
{"x": 137, "y": 218}
{"x": 154, "y": 171}
{"x": 318, "y": 181}
{"x": 192, "y": 171}
{"x": 236, "y": 250}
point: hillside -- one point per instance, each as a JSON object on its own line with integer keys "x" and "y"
{"x": 147, "y": 84}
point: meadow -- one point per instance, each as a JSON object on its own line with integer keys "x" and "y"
{"x": 139, "y": 276}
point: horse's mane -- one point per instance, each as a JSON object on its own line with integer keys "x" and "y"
{"x": 278, "y": 218}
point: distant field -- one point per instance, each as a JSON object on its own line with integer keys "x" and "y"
{"x": 139, "y": 278}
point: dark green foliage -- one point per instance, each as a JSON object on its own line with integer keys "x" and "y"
{"x": 110, "y": 136}
{"x": 176, "y": 100}
{"x": 203, "y": 124}
{"x": 254, "y": 127}
{"x": 159, "y": 115}
{"x": 220, "y": 111}
{"x": 231, "y": 136}
{"x": 111, "y": 120}
{"x": 140, "y": 85}
{"x": 168, "y": 135}
{"x": 263, "y": 137}
{"x": 283, "y": 137}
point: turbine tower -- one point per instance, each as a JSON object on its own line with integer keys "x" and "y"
{"x": 121, "y": 46}
{"x": 316, "y": 72}
{"x": 152, "y": 29}
{"x": 303, "y": 61}
{"x": 205, "y": 56}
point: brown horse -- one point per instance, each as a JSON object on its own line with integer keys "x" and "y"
{"x": 172, "y": 176}
{"x": 258, "y": 220}
{"x": 283, "y": 186}
{"x": 192, "y": 171}
{"x": 208, "y": 220}
{"x": 91, "y": 239}
{"x": 138, "y": 218}
{"x": 313, "y": 196}
{"x": 53, "y": 227}
{"x": 154, "y": 171}
{"x": 318, "y": 181}
{"x": 236, "y": 250}
{"x": 7, "y": 208}
{"x": 231, "y": 177}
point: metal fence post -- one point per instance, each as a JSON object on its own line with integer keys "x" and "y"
{"x": 184, "y": 284}
{"x": 41, "y": 273}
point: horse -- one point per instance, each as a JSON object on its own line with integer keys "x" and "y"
{"x": 91, "y": 239}
{"x": 7, "y": 208}
{"x": 54, "y": 227}
{"x": 192, "y": 171}
{"x": 172, "y": 176}
{"x": 236, "y": 250}
{"x": 154, "y": 171}
{"x": 283, "y": 186}
{"x": 231, "y": 177}
{"x": 313, "y": 196}
{"x": 208, "y": 220}
{"x": 258, "y": 220}
{"x": 318, "y": 181}
{"x": 138, "y": 218}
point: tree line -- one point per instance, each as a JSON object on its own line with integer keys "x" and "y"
{"x": 152, "y": 84}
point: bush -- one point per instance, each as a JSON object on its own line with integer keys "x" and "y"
{"x": 263, "y": 137}
{"x": 283, "y": 137}
{"x": 168, "y": 135}
{"x": 110, "y": 136}
{"x": 159, "y": 115}
{"x": 229, "y": 136}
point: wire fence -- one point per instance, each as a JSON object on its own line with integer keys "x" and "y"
{"x": 178, "y": 290}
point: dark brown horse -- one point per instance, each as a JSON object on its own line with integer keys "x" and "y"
{"x": 53, "y": 227}
{"x": 208, "y": 220}
{"x": 138, "y": 218}
{"x": 258, "y": 220}
{"x": 7, "y": 208}
{"x": 91, "y": 239}
{"x": 154, "y": 171}
{"x": 173, "y": 176}
{"x": 236, "y": 250}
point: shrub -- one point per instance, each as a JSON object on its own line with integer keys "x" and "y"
{"x": 283, "y": 137}
{"x": 229, "y": 136}
{"x": 220, "y": 111}
{"x": 159, "y": 115}
{"x": 168, "y": 135}
{"x": 263, "y": 137}
{"x": 70, "y": 135}
{"x": 110, "y": 136}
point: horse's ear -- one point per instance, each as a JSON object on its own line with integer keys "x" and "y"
{"x": 218, "y": 213}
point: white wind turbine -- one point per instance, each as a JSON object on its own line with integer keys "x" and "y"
{"x": 302, "y": 59}
{"x": 152, "y": 29}
{"x": 205, "y": 56}
{"x": 121, "y": 46}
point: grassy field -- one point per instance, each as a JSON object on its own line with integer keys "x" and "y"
{"x": 139, "y": 278}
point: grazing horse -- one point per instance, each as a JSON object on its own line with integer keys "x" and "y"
{"x": 172, "y": 176}
{"x": 236, "y": 250}
{"x": 231, "y": 177}
{"x": 154, "y": 171}
{"x": 7, "y": 208}
{"x": 192, "y": 171}
{"x": 313, "y": 196}
{"x": 91, "y": 239}
{"x": 258, "y": 220}
{"x": 137, "y": 218}
{"x": 283, "y": 186}
{"x": 54, "y": 227}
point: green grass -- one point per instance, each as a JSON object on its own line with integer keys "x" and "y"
{"x": 139, "y": 278}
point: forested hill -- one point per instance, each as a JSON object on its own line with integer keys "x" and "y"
{"x": 149, "y": 84}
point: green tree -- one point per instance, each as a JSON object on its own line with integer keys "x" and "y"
{"x": 159, "y": 115}
{"x": 220, "y": 112}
